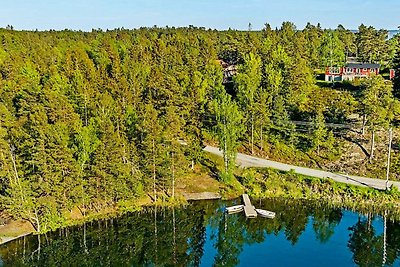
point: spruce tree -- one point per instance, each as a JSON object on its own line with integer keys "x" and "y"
{"x": 396, "y": 67}
{"x": 378, "y": 106}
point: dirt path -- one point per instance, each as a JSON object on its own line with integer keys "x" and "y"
{"x": 249, "y": 161}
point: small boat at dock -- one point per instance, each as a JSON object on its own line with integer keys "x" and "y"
{"x": 235, "y": 209}
{"x": 249, "y": 210}
{"x": 266, "y": 213}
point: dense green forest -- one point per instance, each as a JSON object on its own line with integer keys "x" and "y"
{"x": 97, "y": 119}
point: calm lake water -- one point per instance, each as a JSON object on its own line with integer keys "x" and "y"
{"x": 302, "y": 234}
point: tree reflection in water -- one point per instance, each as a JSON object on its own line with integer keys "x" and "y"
{"x": 371, "y": 249}
{"x": 177, "y": 237}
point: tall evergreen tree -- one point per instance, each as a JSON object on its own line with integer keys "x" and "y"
{"x": 378, "y": 106}
{"x": 396, "y": 67}
{"x": 151, "y": 145}
{"x": 371, "y": 44}
{"x": 320, "y": 135}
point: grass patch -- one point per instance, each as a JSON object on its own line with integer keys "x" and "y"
{"x": 268, "y": 183}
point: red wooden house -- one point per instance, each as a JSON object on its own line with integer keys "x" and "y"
{"x": 351, "y": 71}
{"x": 392, "y": 74}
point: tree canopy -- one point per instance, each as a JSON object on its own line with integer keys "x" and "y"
{"x": 97, "y": 119}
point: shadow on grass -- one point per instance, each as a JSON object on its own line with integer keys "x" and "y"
{"x": 211, "y": 166}
{"x": 358, "y": 143}
{"x": 314, "y": 160}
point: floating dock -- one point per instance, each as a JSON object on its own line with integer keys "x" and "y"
{"x": 249, "y": 210}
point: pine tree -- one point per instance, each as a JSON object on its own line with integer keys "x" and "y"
{"x": 396, "y": 67}
{"x": 321, "y": 137}
{"x": 151, "y": 145}
{"x": 378, "y": 106}
{"x": 173, "y": 136}
{"x": 348, "y": 40}
{"x": 197, "y": 97}
{"x": 8, "y": 170}
{"x": 371, "y": 44}
{"x": 313, "y": 37}
{"x": 319, "y": 131}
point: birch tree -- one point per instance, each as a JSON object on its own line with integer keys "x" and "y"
{"x": 247, "y": 84}
{"x": 228, "y": 129}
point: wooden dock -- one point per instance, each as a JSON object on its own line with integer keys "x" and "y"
{"x": 249, "y": 210}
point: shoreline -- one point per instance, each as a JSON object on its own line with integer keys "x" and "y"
{"x": 342, "y": 200}
{"x": 15, "y": 229}
{"x": 201, "y": 196}
{"x": 5, "y": 240}
{"x": 114, "y": 213}
{"x": 375, "y": 208}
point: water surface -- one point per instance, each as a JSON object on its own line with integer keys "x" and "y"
{"x": 201, "y": 234}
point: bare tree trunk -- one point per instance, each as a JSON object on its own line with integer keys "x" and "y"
{"x": 16, "y": 177}
{"x": 261, "y": 138}
{"x": 173, "y": 176}
{"x": 36, "y": 223}
{"x": 84, "y": 239}
{"x": 24, "y": 250}
{"x": 363, "y": 124}
{"x": 225, "y": 156}
{"x": 192, "y": 165}
{"x": 384, "y": 256}
{"x": 225, "y": 149}
{"x": 83, "y": 211}
{"x": 86, "y": 113}
{"x": 38, "y": 249}
{"x": 369, "y": 220}
{"x": 388, "y": 158}
{"x": 155, "y": 234}
{"x": 252, "y": 134}
{"x": 371, "y": 155}
{"x": 154, "y": 171}
{"x": 174, "y": 234}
